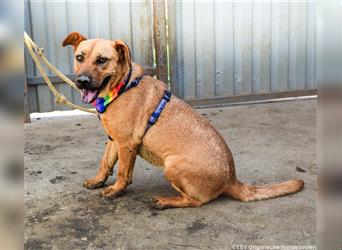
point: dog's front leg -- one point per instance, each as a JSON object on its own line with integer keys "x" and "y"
{"x": 106, "y": 167}
{"x": 127, "y": 156}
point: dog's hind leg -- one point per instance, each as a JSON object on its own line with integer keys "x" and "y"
{"x": 106, "y": 167}
{"x": 183, "y": 200}
{"x": 196, "y": 183}
{"x": 187, "y": 184}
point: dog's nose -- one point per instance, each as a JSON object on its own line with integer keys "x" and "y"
{"x": 83, "y": 81}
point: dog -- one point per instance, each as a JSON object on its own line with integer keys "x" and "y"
{"x": 196, "y": 159}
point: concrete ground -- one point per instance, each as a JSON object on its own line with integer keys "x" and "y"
{"x": 270, "y": 142}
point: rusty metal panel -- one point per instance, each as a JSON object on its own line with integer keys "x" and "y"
{"x": 172, "y": 52}
{"x": 160, "y": 39}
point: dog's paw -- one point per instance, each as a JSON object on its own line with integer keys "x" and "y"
{"x": 93, "y": 183}
{"x": 158, "y": 203}
{"x": 111, "y": 193}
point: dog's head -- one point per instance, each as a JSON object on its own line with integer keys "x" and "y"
{"x": 97, "y": 63}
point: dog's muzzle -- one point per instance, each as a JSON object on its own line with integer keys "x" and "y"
{"x": 89, "y": 93}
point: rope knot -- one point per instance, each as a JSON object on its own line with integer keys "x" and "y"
{"x": 40, "y": 51}
{"x": 60, "y": 99}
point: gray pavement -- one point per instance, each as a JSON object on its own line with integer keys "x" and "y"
{"x": 270, "y": 143}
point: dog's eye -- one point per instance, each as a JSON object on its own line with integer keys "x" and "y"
{"x": 79, "y": 58}
{"x": 101, "y": 60}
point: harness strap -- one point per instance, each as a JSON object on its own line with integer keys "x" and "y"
{"x": 132, "y": 84}
{"x": 155, "y": 115}
{"x": 128, "y": 85}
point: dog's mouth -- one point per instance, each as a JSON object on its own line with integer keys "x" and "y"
{"x": 89, "y": 95}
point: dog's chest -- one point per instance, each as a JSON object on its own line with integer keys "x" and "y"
{"x": 112, "y": 127}
{"x": 150, "y": 156}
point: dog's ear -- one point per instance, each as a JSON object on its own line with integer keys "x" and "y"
{"x": 124, "y": 52}
{"x": 74, "y": 39}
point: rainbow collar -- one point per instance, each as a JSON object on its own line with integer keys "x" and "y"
{"x": 101, "y": 103}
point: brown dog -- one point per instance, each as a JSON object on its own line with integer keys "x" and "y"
{"x": 196, "y": 159}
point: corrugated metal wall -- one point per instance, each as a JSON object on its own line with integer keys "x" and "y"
{"x": 243, "y": 47}
{"x": 217, "y": 49}
{"x": 48, "y": 23}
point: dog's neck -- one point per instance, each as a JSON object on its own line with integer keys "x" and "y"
{"x": 123, "y": 73}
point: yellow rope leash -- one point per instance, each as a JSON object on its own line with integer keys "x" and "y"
{"x": 35, "y": 51}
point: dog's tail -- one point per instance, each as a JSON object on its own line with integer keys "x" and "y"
{"x": 245, "y": 192}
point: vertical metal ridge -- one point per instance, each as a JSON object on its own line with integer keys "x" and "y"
{"x": 214, "y": 25}
{"x": 47, "y": 39}
{"x": 315, "y": 48}
{"x": 67, "y": 19}
{"x": 110, "y": 19}
{"x": 306, "y": 46}
{"x": 48, "y": 46}
{"x": 182, "y": 49}
{"x": 234, "y": 53}
{"x": 195, "y": 47}
{"x": 288, "y": 51}
{"x": 131, "y": 21}
{"x": 54, "y": 41}
{"x": 252, "y": 61}
{"x": 271, "y": 46}
{"x": 88, "y": 19}
{"x": 31, "y": 31}
{"x": 153, "y": 42}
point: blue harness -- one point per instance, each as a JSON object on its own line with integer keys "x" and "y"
{"x": 159, "y": 109}
{"x": 155, "y": 115}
